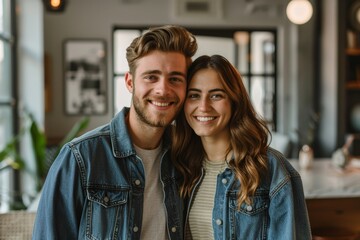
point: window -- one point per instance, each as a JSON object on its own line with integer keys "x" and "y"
{"x": 8, "y": 121}
{"x": 253, "y": 52}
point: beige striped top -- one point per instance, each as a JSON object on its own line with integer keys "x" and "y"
{"x": 200, "y": 217}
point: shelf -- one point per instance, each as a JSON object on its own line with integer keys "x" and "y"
{"x": 353, "y": 85}
{"x": 353, "y": 51}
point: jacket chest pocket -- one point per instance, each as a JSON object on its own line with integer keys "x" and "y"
{"x": 107, "y": 213}
{"x": 251, "y": 220}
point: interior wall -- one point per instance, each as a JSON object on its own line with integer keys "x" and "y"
{"x": 82, "y": 19}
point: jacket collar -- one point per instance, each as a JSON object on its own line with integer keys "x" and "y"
{"x": 120, "y": 138}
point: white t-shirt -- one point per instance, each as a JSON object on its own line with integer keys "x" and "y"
{"x": 154, "y": 216}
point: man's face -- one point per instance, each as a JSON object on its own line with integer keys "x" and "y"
{"x": 158, "y": 87}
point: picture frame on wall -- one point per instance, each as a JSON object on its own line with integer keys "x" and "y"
{"x": 85, "y": 83}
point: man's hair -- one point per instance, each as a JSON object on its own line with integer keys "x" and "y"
{"x": 168, "y": 38}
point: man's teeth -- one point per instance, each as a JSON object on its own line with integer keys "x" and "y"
{"x": 160, "y": 104}
{"x": 204, "y": 119}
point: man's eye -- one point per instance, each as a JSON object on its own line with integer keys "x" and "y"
{"x": 176, "y": 79}
{"x": 151, "y": 77}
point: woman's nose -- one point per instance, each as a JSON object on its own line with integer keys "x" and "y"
{"x": 204, "y": 104}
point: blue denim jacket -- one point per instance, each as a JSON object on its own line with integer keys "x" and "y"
{"x": 95, "y": 189}
{"x": 278, "y": 210}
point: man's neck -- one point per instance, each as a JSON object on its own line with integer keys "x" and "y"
{"x": 143, "y": 135}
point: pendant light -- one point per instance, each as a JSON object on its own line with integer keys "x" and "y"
{"x": 55, "y": 5}
{"x": 299, "y": 11}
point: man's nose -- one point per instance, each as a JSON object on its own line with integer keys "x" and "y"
{"x": 162, "y": 87}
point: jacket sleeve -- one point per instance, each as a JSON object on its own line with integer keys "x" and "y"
{"x": 288, "y": 212}
{"x": 60, "y": 207}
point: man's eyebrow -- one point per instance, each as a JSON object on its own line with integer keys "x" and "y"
{"x": 178, "y": 73}
{"x": 158, "y": 72}
{"x": 151, "y": 72}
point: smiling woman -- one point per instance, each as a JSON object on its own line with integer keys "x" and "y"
{"x": 208, "y": 107}
{"x": 220, "y": 145}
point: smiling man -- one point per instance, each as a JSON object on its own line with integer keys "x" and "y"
{"x": 117, "y": 181}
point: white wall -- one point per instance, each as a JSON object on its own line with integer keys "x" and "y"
{"x": 95, "y": 19}
{"x": 82, "y": 19}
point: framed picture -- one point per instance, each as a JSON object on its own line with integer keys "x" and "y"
{"x": 85, "y": 77}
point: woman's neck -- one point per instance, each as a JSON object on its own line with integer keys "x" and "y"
{"x": 216, "y": 149}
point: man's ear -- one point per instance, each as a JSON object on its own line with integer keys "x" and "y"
{"x": 129, "y": 82}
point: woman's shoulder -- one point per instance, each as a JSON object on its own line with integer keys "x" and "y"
{"x": 278, "y": 162}
{"x": 280, "y": 170}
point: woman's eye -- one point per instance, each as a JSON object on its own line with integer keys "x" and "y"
{"x": 216, "y": 96}
{"x": 193, "y": 96}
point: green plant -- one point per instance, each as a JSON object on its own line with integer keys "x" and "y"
{"x": 10, "y": 157}
{"x": 39, "y": 147}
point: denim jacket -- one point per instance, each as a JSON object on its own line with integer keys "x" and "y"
{"x": 95, "y": 189}
{"x": 278, "y": 210}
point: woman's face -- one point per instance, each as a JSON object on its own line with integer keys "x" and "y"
{"x": 207, "y": 106}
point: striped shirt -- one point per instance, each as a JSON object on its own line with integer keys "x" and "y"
{"x": 200, "y": 217}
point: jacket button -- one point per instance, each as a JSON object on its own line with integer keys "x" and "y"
{"x": 137, "y": 182}
{"x": 106, "y": 199}
{"x": 218, "y": 222}
{"x": 224, "y": 181}
{"x": 249, "y": 208}
{"x": 135, "y": 229}
{"x": 173, "y": 229}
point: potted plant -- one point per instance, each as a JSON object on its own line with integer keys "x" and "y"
{"x": 10, "y": 156}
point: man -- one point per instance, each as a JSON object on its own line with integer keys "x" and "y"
{"x": 117, "y": 181}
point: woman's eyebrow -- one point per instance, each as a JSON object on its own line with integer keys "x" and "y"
{"x": 212, "y": 90}
{"x": 217, "y": 90}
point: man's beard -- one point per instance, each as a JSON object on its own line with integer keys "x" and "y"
{"x": 146, "y": 117}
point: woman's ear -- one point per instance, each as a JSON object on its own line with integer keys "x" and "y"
{"x": 129, "y": 82}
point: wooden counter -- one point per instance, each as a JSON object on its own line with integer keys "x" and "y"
{"x": 332, "y": 195}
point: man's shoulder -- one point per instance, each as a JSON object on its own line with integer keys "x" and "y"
{"x": 101, "y": 131}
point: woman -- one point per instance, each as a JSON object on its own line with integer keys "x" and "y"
{"x": 236, "y": 186}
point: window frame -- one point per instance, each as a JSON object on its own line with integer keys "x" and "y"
{"x": 229, "y": 33}
{"x": 10, "y": 178}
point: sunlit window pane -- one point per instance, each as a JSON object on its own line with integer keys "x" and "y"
{"x": 212, "y": 45}
{"x": 122, "y": 39}
{"x": 121, "y": 95}
{"x": 262, "y": 50}
{"x": 262, "y": 96}
{"x": 1, "y": 16}
{"x": 5, "y": 16}
{"x": 242, "y": 40}
{"x": 6, "y": 134}
{"x": 5, "y": 125}
{"x": 5, "y": 73}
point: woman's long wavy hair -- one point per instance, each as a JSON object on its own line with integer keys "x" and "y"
{"x": 248, "y": 134}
